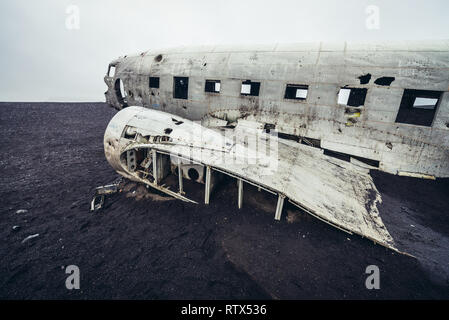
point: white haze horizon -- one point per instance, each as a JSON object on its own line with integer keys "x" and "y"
{"x": 45, "y": 57}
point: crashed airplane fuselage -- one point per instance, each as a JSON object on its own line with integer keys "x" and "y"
{"x": 152, "y": 146}
{"x": 386, "y": 105}
{"x": 277, "y": 117}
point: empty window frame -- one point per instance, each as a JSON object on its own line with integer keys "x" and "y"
{"x": 181, "y": 87}
{"x": 250, "y": 88}
{"x": 212, "y": 86}
{"x": 418, "y": 107}
{"x": 352, "y": 97}
{"x": 154, "y": 82}
{"x": 296, "y": 91}
{"x": 111, "y": 71}
{"x": 120, "y": 92}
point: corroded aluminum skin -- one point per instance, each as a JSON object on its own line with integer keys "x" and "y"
{"x": 325, "y": 67}
{"x": 339, "y": 193}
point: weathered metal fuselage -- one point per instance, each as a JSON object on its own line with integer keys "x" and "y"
{"x": 150, "y": 146}
{"x": 369, "y": 131}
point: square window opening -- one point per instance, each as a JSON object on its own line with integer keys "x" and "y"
{"x": 181, "y": 87}
{"x": 418, "y": 107}
{"x": 296, "y": 91}
{"x": 212, "y": 86}
{"x": 352, "y": 97}
{"x": 154, "y": 82}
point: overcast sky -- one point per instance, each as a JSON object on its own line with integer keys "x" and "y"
{"x": 45, "y": 57}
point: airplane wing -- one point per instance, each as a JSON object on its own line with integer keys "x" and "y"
{"x": 339, "y": 193}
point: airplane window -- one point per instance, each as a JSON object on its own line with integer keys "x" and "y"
{"x": 418, "y": 107}
{"x": 352, "y": 97}
{"x": 296, "y": 91}
{"x": 111, "y": 71}
{"x": 181, "y": 87}
{"x": 120, "y": 92}
{"x": 250, "y": 88}
{"x": 154, "y": 82}
{"x": 212, "y": 86}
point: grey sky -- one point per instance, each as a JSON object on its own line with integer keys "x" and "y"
{"x": 42, "y": 60}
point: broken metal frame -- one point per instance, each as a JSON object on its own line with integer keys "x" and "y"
{"x": 240, "y": 181}
{"x": 354, "y": 188}
{"x": 209, "y": 169}
{"x": 162, "y": 188}
{"x": 279, "y": 207}
{"x": 240, "y": 196}
{"x": 207, "y": 187}
{"x": 180, "y": 182}
{"x": 100, "y": 193}
{"x": 343, "y": 229}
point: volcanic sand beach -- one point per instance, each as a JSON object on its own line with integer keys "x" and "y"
{"x": 144, "y": 245}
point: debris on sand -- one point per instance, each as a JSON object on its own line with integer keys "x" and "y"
{"x": 100, "y": 194}
{"x": 21, "y": 211}
{"x": 142, "y": 192}
{"x": 30, "y": 237}
{"x": 16, "y": 228}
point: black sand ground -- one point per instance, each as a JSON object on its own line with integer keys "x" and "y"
{"x": 52, "y": 158}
